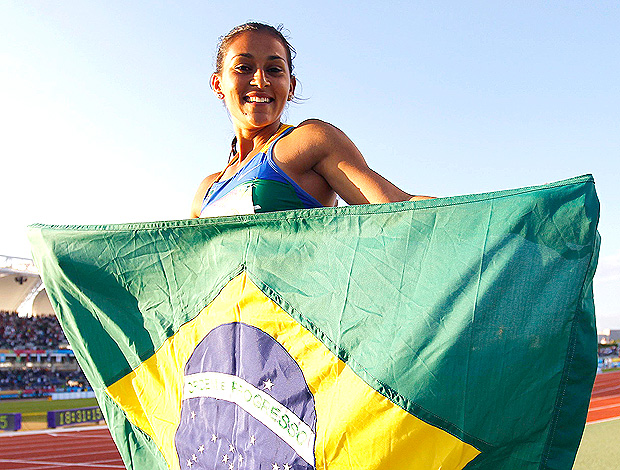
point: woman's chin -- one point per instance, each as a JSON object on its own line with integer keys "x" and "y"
{"x": 258, "y": 117}
{"x": 258, "y": 122}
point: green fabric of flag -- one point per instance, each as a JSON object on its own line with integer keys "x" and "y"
{"x": 472, "y": 315}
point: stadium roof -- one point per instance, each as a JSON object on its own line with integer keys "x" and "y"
{"x": 21, "y": 288}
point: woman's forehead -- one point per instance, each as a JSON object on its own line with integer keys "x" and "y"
{"x": 255, "y": 44}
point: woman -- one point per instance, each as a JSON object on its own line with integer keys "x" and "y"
{"x": 274, "y": 166}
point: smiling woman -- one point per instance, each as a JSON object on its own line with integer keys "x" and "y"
{"x": 274, "y": 166}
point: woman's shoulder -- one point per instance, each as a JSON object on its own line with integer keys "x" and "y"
{"x": 313, "y": 138}
{"x": 318, "y": 129}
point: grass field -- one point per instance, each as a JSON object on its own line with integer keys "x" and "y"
{"x": 599, "y": 446}
{"x": 36, "y": 410}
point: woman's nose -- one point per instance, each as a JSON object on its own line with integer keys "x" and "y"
{"x": 259, "y": 79}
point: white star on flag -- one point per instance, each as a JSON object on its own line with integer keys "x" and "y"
{"x": 225, "y": 458}
{"x": 201, "y": 449}
{"x": 231, "y": 448}
{"x": 194, "y": 458}
{"x": 252, "y": 440}
{"x": 275, "y": 466}
{"x": 240, "y": 459}
{"x": 193, "y": 415}
{"x": 231, "y": 466}
{"x": 189, "y": 463}
{"x": 213, "y": 438}
{"x": 267, "y": 384}
{"x": 287, "y": 467}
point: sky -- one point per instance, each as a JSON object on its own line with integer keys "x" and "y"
{"x": 106, "y": 114}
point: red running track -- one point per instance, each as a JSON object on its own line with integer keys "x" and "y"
{"x": 86, "y": 448}
{"x": 92, "y": 448}
{"x": 605, "y": 401}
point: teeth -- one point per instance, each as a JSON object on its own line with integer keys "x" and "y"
{"x": 256, "y": 99}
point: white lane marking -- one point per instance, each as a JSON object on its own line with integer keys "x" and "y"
{"x": 606, "y": 407}
{"x": 602, "y": 420}
{"x": 59, "y": 464}
{"x": 605, "y": 389}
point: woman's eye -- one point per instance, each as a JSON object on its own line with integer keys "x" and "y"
{"x": 242, "y": 68}
{"x": 275, "y": 70}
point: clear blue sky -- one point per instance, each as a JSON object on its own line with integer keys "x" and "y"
{"x": 106, "y": 113}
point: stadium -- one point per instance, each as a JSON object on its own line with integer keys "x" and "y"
{"x": 39, "y": 375}
{"x": 35, "y": 358}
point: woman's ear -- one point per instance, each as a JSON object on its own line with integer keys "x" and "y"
{"x": 216, "y": 85}
{"x": 291, "y": 91}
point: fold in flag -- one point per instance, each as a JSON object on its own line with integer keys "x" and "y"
{"x": 439, "y": 334}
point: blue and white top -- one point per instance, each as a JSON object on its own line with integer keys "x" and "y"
{"x": 259, "y": 186}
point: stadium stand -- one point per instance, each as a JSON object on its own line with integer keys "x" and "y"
{"x": 35, "y": 360}
{"x": 43, "y": 381}
{"x": 41, "y": 332}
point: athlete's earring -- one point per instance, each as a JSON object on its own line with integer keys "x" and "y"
{"x": 220, "y": 95}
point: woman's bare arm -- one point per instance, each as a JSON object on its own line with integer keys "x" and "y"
{"x": 339, "y": 161}
{"x": 200, "y": 194}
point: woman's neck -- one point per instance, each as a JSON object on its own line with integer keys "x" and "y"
{"x": 250, "y": 141}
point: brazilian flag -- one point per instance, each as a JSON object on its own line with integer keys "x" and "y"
{"x": 439, "y": 334}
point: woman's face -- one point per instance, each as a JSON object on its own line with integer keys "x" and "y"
{"x": 255, "y": 80}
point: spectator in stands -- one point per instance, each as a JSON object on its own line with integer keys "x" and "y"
{"x": 40, "y": 379}
{"x": 42, "y": 332}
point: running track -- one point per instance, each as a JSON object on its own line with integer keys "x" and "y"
{"x": 605, "y": 401}
{"x": 91, "y": 448}
{"x": 85, "y": 448}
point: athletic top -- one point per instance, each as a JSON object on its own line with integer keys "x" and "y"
{"x": 259, "y": 186}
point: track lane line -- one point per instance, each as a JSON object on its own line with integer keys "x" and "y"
{"x": 603, "y": 420}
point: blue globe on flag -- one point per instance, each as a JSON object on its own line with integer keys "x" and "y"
{"x": 246, "y": 405}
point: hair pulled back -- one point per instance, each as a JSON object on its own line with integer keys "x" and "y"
{"x": 276, "y": 32}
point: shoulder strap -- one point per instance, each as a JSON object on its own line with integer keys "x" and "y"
{"x": 272, "y": 140}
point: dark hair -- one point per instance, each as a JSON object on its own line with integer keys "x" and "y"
{"x": 276, "y": 32}
{"x": 225, "y": 41}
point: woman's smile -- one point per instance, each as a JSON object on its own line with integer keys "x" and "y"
{"x": 256, "y": 98}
